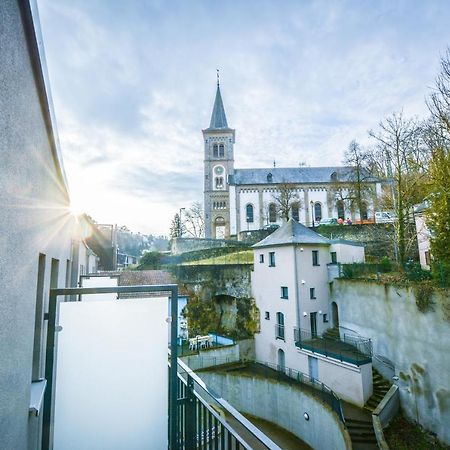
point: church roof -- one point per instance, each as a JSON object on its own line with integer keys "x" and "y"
{"x": 295, "y": 175}
{"x": 218, "y": 117}
{"x": 292, "y": 232}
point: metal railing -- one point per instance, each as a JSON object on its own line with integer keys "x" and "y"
{"x": 320, "y": 389}
{"x": 205, "y": 421}
{"x": 349, "y": 348}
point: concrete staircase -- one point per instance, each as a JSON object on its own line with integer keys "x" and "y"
{"x": 332, "y": 333}
{"x": 359, "y": 425}
{"x": 380, "y": 388}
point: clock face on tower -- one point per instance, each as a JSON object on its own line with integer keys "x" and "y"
{"x": 218, "y": 170}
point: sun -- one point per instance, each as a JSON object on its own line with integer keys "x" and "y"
{"x": 76, "y": 208}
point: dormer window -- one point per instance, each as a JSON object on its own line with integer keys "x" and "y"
{"x": 269, "y": 178}
{"x": 334, "y": 176}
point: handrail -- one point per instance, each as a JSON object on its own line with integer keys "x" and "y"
{"x": 299, "y": 377}
{"x": 252, "y": 429}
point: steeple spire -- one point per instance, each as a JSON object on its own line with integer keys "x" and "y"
{"x": 218, "y": 117}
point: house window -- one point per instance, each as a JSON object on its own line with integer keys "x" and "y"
{"x": 295, "y": 211}
{"x": 315, "y": 258}
{"x": 427, "y": 258}
{"x": 333, "y": 257}
{"x": 279, "y": 327}
{"x": 317, "y": 212}
{"x": 271, "y": 259}
{"x": 249, "y": 211}
{"x": 267, "y": 315}
{"x": 221, "y": 150}
{"x": 325, "y": 318}
{"x": 284, "y": 292}
{"x": 215, "y": 151}
{"x": 340, "y": 209}
{"x": 261, "y": 258}
{"x": 272, "y": 213}
{"x": 312, "y": 293}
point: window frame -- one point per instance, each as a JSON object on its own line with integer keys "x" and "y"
{"x": 272, "y": 259}
{"x": 261, "y": 258}
{"x": 284, "y": 292}
{"x": 315, "y": 258}
{"x": 249, "y": 213}
{"x": 312, "y": 293}
{"x": 266, "y": 315}
{"x": 333, "y": 257}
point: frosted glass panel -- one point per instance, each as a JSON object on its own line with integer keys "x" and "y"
{"x": 112, "y": 377}
{"x": 98, "y": 281}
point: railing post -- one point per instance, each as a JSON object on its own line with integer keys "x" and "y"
{"x": 190, "y": 415}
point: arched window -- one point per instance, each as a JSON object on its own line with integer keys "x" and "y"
{"x": 317, "y": 212}
{"x": 215, "y": 151}
{"x": 295, "y": 207}
{"x": 219, "y": 224}
{"x": 219, "y": 182}
{"x": 279, "y": 327}
{"x": 249, "y": 211}
{"x": 221, "y": 150}
{"x": 334, "y": 176}
{"x": 340, "y": 209}
{"x": 364, "y": 212}
{"x": 272, "y": 212}
{"x": 281, "y": 360}
{"x": 269, "y": 178}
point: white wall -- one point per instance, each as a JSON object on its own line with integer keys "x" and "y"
{"x": 347, "y": 253}
{"x": 423, "y": 239}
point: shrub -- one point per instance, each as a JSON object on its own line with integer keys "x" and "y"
{"x": 424, "y": 296}
{"x": 414, "y": 272}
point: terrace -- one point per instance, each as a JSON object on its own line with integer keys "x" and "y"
{"x": 338, "y": 344}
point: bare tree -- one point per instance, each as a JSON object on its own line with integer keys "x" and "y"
{"x": 194, "y": 222}
{"x": 285, "y": 197}
{"x": 439, "y": 103}
{"x": 395, "y": 158}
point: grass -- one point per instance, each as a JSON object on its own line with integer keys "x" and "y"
{"x": 244, "y": 257}
{"x": 404, "y": 435}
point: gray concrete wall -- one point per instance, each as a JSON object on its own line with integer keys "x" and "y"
{"x": 34, "y": 219}
{"x": 283, "y": 405}
{"x": 418, "y": 344}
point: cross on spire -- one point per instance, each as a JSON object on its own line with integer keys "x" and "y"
{"x": 218, "y": 78}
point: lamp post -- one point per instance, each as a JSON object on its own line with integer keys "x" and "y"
{"x": 311, "y": 203}
{"x": 180, "y": 226}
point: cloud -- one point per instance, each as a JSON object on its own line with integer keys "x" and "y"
{"x": 133, "y": 84}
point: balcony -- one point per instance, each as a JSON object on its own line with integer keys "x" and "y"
{"x": 338, "y": 344}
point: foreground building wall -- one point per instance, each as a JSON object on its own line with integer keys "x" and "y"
{"x": 35, "y": 223}
{"x": 415, "y": 343}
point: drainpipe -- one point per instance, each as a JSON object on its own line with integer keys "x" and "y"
{"x": 297, "y": 289}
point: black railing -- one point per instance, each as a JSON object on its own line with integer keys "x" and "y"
{"x": 279, "y": 331}
{"x": 205, "y": 421}
{"x": 349, "y": 348}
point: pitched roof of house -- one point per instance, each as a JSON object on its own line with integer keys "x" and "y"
{"x": 294, "y": 175}
{"x": 292, "y": 232}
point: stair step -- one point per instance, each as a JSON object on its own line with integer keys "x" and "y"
{"x": 358, "y": 421}
{"x": 363, "y": 440}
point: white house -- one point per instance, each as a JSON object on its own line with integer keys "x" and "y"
{"x": 423, "y": 236}
{"x": 291, "y": 288}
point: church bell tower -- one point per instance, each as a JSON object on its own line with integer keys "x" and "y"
{"x": 218, "y": 140}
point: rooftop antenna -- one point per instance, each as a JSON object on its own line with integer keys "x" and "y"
{"x": 218, "y": 78}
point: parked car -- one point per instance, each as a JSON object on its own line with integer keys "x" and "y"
{"x": 384, "y": 217}
{"x": 271, "y": 227}
{"x": 331, "y": 221}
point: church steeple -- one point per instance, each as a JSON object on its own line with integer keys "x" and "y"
{"x": 218, "y": 117}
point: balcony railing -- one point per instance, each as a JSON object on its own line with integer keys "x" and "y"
{"x": 208, "y": 422}
{"x": 347, "y": 347}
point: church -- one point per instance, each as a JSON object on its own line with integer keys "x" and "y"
{"x": 237, "y": 200}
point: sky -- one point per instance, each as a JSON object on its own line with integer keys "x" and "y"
{"x": 133, "y": 85}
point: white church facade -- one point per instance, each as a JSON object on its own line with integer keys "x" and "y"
{"x": 238, "y": 200}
